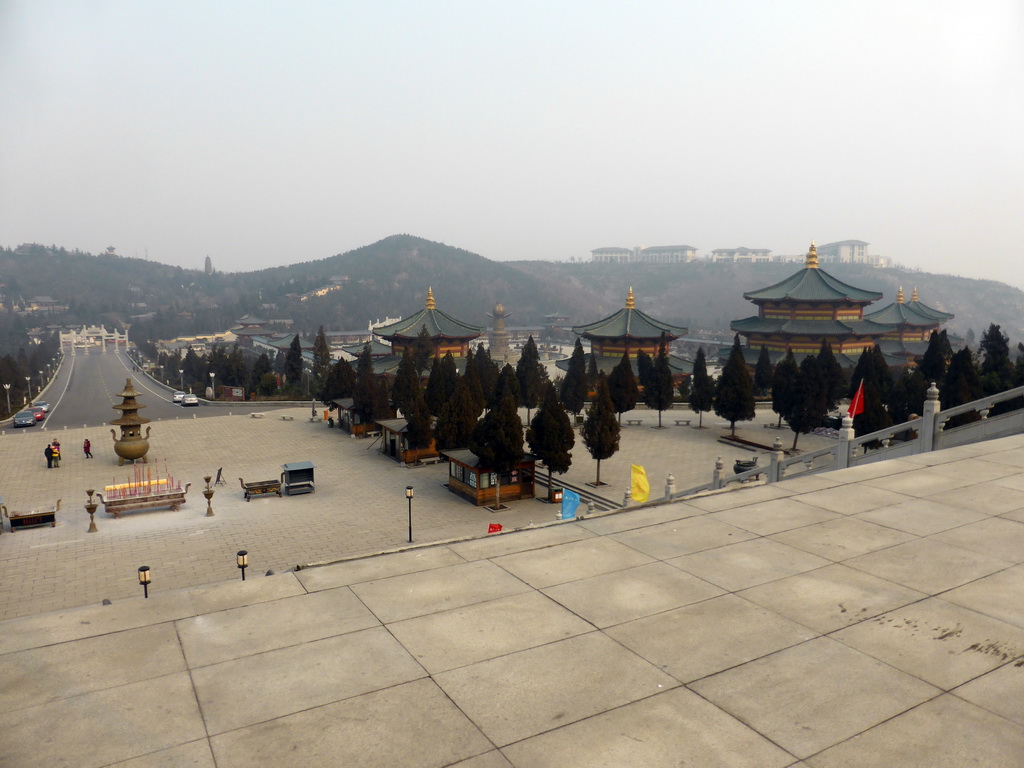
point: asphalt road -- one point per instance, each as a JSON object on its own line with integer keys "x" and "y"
{"x": 87, "y": 386}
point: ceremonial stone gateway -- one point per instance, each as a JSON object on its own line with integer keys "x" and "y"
{"x": 132, "y": 446}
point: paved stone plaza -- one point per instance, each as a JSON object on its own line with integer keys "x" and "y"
{"x": 868, "y": 617}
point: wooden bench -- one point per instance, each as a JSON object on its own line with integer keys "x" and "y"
{"x": 260, "y": 488}
{"x": 157, "y": 500}
{"x": 32, "y": 518}
{"x": 636, "y": 422}
{"x": 682, "y": 422}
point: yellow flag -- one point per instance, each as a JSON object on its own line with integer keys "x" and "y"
{"x": 641, "y": 488}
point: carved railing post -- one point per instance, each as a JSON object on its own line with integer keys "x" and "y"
{"x": 929, "y": 421}
{"x": 670, "y": 487}
{"x": 774, "y": 473}
{"x": 844, "y": 450}
{"x": 716, "y": 481}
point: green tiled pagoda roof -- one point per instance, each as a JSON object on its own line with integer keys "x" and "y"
{"x": 436, "y": 322}
{"x": 899, "y": 313}
{"x": 813, "y": 284}
{"x": 935, "y": 314}
{"x": 810, "y": 327}
{"x": 605, "y": 364}
{"x": 377, "y": 349}
{"x": 629, "y": 323}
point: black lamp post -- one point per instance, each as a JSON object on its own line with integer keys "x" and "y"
{"x": 144, "y": 580}
{"x": 242, "y": 559}
{"x": 408, "y": 495}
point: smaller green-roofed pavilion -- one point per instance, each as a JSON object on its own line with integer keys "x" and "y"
{"x": 447, "y": 333}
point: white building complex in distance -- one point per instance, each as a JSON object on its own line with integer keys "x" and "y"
{"x": 656, "y": 254}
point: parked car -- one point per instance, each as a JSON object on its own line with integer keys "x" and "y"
{"x": 38, "y": 412}
{"x": 24, "y": 419}
{"x": 42, "y": 404}
{"x": 190, "y": 400}
{"x": 177, "y": 397}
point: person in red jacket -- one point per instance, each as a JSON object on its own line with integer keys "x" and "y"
{"x": 87, "y": 447}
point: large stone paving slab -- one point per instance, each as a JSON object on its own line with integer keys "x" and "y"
{"x": 103, "y": 727}
{"x": 373, "y": 568}
{"x": 449, "y": 639}
{"x": 1000, "y": 691}
{"x": 245, "y": 631}
{"x": 568, "y": 562}
{"x": 707, "y": 637}
{"x": 682, "y": 537}
{"x": 932, "y": 480}
{"x": 840, "y": 499}
{"x": 195, "y": 754}
{"x": 671, "y": 729}
{"x": 1000, "y": 595}
{"x": 842, "y": 538}
{"x": 831, "y": 597}
{"x": 992, "y": 498}
{"x": 620, "y": 596}
{"x": 440, "y": 589}
{"x": 41, "y": 675}
{"x": 301, "y": 677}
{"x": 921, "y": 517}
{"x": 530, "y": 692}
{"x": 773, "y": 516}
{"x": 520, "y": 541}
{"x": 927, "y": 565}
{"x": 944, "y": 731}
{"x": 747, "y": 564}
{"x": 814, "y": 695}
{"x": 939, "y": 642}
{"x": 412, "y": 725}
{"x": 995, "y": 536}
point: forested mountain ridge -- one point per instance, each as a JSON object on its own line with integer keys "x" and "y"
{"x": 391, "y": 277}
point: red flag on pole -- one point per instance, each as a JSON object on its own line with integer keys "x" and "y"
{"x": 857, "y": 404}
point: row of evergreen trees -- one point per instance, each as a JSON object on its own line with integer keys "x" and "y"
{"x": 805, "y": 394}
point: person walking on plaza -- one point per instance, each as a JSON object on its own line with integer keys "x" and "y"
{"x": 48, "y": 453}
{"x": 56, "y": 453}
{"x": 87, "y": 447}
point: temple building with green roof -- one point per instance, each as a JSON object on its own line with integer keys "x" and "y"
{"x": 629, "y": 331}
{"x": 806, "y": 308}
{"x": 912, "y": 325}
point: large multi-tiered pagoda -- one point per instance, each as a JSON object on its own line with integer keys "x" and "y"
{"x": 807, "y": 307}
{"x": 912, "y": 325}
{"x": 629, "y": 331}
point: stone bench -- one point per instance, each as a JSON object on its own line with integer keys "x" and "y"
{"x": 634, "y": 422}
{"x": 683, "y": 422}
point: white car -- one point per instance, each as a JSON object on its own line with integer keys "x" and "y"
{"x": 177, "y": 397}
{"x": 189, "y": 400}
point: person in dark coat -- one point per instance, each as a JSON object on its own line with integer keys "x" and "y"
{"x": 48, "y": 453}
{"x": 87, "y": 447}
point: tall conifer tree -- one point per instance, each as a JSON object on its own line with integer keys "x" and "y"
{"x": 734, "y": 395}
{"x": 783, "y": 383}
{"x": 601, "y": 429}
{"x": 574, "y": 385}
{"x": 532, "y": 376}
{"x": 659, "y": 391}
{"x": 622, "y": 386}
{"x": 550, "y": 436}
{"x": 498, "y": 441}
{"x": 702, "y": 389}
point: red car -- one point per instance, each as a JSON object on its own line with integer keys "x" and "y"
{"x": 38, "y": 412}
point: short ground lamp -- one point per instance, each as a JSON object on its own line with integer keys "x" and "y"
{"x": 242, "y": 559}
{"x": 90, "y": 507}
{"x": 212, "y": 387}
{"x": 408, "y": 495}
{"x": 7, "y": 389}
{"x": 208, "y": 493}
{"x": 144, "y": 580}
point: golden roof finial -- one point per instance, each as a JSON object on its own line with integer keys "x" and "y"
{"x": 899, "y": 296}
{"x": 430, "y": 299}
{"x": 913, "y": 296}
{"x": 812, "y": 257}
{"x": 630, "y": 304}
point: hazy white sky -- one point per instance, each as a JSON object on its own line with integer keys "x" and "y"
{"x": 265, "y": 133}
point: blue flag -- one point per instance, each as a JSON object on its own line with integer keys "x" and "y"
{"x": 570, "y": 500}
